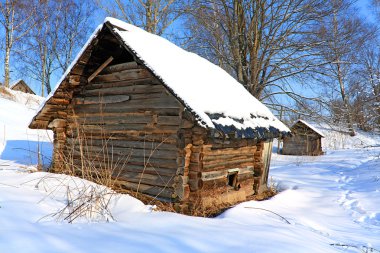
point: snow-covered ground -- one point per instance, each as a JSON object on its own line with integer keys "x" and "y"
{"x": 18, "y": 143}
{"x": 329, "y": 203}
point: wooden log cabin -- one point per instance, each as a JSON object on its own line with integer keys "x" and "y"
{"x": 176, "y": 126}
{"x": 304, "y": 140}
{"x": 20, "y": 85}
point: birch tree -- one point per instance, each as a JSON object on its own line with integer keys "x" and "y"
{"x": 342, "y": 34}
{"x": 72, "y": 29}
{"x": 365, "y": 88}
{"x": 16, "y": 18}
{"x": 61, "y": 30}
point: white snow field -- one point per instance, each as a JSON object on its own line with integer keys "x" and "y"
{"x": 329, "y": 203}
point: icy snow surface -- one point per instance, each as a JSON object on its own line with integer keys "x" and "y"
{"x": 328, "y": 200}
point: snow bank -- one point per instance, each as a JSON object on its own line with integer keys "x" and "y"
{"x": 17, "y": 142}
{"x": 328, "y": 202}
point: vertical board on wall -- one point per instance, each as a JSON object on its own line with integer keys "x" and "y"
{"x": 267, "y": 154}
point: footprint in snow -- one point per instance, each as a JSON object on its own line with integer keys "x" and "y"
{"x": 373, "y": 218}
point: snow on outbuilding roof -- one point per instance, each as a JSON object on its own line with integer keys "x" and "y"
{"x": 309, "y": 126}
{"x": 15, "y": 83}
{"x": 16, "y": 86}
{"x": 216, "y": 99}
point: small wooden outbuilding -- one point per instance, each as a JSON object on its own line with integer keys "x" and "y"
{"x": 304, "y": 140}
{"x": 172, "y": 124}
{"x": 20, "y": 85}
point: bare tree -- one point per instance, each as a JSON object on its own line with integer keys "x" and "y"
{"x": 154, "y": 16}
{"x": 342, "y": 35}
{"x": 260, "y": 42}
{"x": 60, "y": 31}
{"x": 365, "y": 86}
{"x": 15, "y": 19}
{"x": 72, "y": 29}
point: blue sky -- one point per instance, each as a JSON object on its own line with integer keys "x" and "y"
{"x": 363, "y": 6}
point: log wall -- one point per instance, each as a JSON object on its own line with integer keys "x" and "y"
{"x": 127, "y": 121}
{"x": 211, "y": 163}
{"x": 124, "y": 119}
{"x": 304, "y": 141}
{"x": 21, "y": 86}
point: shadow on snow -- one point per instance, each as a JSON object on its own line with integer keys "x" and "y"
{"x": 26, "y": 152}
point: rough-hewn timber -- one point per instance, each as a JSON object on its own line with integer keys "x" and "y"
{"x": 125, "y": 121}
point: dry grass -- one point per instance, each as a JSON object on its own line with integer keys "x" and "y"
{"x": 103, "y": 169}
{"x": 83, "y": 201}
{"x": 88, "y": 201}
{"x": 273, "y": 190}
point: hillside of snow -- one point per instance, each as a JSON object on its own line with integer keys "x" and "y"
{"x": 336, "y": 137}
{"x": 18, "y": 142}
{"x": 328, "y": 203}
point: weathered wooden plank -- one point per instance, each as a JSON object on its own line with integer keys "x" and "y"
{"x": 126, "y": 113}
{"x": 75, "y": 80}
{"x": 129, "y": 90}
{"x": 127, "y": 127}
{"x": 149, "y": 105}
{"x": 78, "y": 69}
{"x": 169, "y": 120}
{"x": 115, "y": 165}
{"x": 155, "y": 191}
{"x": 227, "y": 166}
{"x": 60, "y": 101}
{"x": 100, "y": 99}
{"x": 110, "y": 120}
{"x": 121, "y": 67}
{"x": 128, "y": 74}
{"x": 87, "y": 109}
{"x": 51, "y": 107}
{"x": 144, "y": 178}
{"x": 228, "y": 162}
{"x": 100, "y": 68}
{"x": 207, "y": 158}
{"x": 229, "y": 151}
{"x": 130, "y": 136}
{"x": 206, "y": 176}
{"x": 101, "y": 85}
{"x": 123, "y": 152}
{"x": 116, "y": 143}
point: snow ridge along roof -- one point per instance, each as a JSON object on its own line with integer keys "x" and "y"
{"x": 216, "y": 99}
{"x": 14, "y": 83}
{"x": 310, "y": 126}
{"x": 219, "y": 101}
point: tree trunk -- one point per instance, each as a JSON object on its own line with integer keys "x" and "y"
{"x": 347, "y": 112}
{"x": 8, "y": 43}
{"x": 6, "y": 65}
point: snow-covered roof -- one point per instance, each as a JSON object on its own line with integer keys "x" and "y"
{"x": 310, "y": 126}
{"x": 216, "y": 99}
{"x": 14, "y": 83}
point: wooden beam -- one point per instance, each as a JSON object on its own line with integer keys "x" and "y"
{"x": 121, "y": 67}
{"x": 98, "y": 70}
{"x": 100, "y": 100}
